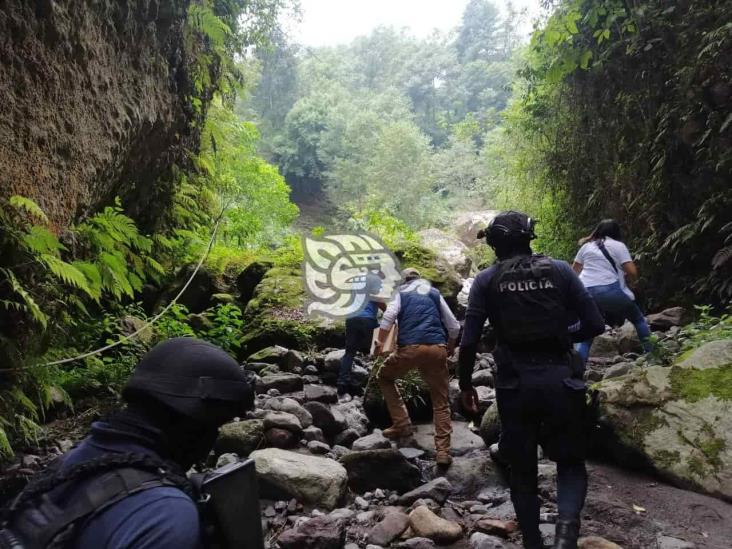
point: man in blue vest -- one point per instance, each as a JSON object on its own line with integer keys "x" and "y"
{"x": 125, "y": 485}
{"x": 427, "y": 334}
{"x": 530, "y": 300}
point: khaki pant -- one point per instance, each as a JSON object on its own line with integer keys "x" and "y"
{"x": 431, "y": 361}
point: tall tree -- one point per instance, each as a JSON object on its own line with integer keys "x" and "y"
{"x": 479, "y": 37}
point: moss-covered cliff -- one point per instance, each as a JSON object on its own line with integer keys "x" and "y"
{"x": 95, "y": 104}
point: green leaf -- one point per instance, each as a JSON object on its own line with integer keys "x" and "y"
{"x": 67, "y": 273}
{"x": 23, "y": 203}
{"x": 585, "y": 59}
{"x": 30, "y": 304}
{"x": 40, "y": 240}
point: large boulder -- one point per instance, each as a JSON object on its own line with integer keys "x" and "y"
{"x": 433, "y": 268}
{"x": 240, "y": 437}
{"x": 269, "y": 355}
{"x": 385, "y": 469}
{"x": 311, "y": 479}
{"x": 678, "y": 419}
{"x": 284, "y": 404}
{"x": 448, "y": 248}
{"x": 284, "y": 383}
{"x": 330, "y": 420}
{"x": 275, "y": 316}
{"x": 668, "y": 318}
{"x": 463, "y": 440}
{"x": 467, "y": 224}
{"x": 490, "y": 425}
{"x": 248, "y": 279}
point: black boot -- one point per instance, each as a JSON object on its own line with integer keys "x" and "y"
{"x": 567, "y": 532}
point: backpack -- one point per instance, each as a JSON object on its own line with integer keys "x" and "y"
{"x": 531, "y": 313}
{"x": 37, "y": 518}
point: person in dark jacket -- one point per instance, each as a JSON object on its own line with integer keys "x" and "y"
{"x": 530, "y": 301}
{"x": 427, "y": 334}
{"x": 177, "y": 397}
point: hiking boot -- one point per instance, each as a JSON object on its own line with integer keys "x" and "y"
{"x": 345, "y": 397}
{"x": 567, "y": 532}
{"x": 443, "y": 459}
{"x": 394, "y": 432}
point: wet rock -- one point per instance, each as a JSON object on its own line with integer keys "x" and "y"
{"x": 417, "y": 543}
{"x": 291, "y": 406}
{"x": 502, "y": 528}
{"x": 331, "y": 421}
{"x": 596, "y": 542}
{"x": 240, "y": 437}
{"x": 310, "y": 479}
{"x": 668, "y": 542}
{"x": 490, "y": 426}
{"x": 284, "y": 383}
{"x": 332, "y": 360}
{"x": 386, "y": 469}
{"x": 426, "y": 524}
{"x": 463, "y": 440}
{"x": 617, "y": 370}
{"x": 268, "y": 355}
{"x": 374, "y": 441}
{"x": 355, "y": 417}
{"x": 668, "y": 318}
{"x": 282, "y": 420}
{"x": 346, "y": 438}
{"x": 280, "y": 438}
{"x": 437, "y": 490}
{"x": 411, "y": 453}
{"x": 395, "y": 522}
{"x": 480, "y": 540}
{"x": 317, "y": 533}
{"x": 318, "y": 448}
{"x": 321, "y": 393}
{"x": 313, "y": 433}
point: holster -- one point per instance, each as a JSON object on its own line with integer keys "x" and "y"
{"x": 507, "y": 376}
{"x": 576, "y": 364}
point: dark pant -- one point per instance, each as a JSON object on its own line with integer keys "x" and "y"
{"x": 542, "y": 403}
{"x": 613, "y": 301}
{"x": 359, "y": 332}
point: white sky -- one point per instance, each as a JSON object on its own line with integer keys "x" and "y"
{"x": 330, "y": 22}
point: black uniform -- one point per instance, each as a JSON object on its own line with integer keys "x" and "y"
{"x": 530, "y": 301}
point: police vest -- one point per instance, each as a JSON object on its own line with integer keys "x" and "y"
{"x": 35, "y": 520}
{"x": 530, "y": 312}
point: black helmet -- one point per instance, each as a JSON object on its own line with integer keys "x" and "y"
{"x": 509, "y": 226}
{"x": 194, "y": 378}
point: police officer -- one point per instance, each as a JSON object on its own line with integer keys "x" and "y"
{"x": 124, "y": 486}
{"x": 530, "y": 300}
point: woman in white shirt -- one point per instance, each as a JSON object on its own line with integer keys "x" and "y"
{"x": 603, "y": 263}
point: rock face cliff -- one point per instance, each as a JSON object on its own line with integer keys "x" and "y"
{"x": 94, "y": 104}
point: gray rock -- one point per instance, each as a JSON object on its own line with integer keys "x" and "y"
{"x": 463, "y": 440}
{"x": 355, "y": 417}
{"x": 604, "y": 346}
{"x": 318, "y": 448}
{"x": 240, "y": 437}
{"x": 313, "y": 433}
{"x": 386, "y": 469}
{"x": 395, "y": 522}
{"x": 321, "y": 393}
{"x": 483, "y": 541}
{"x": 277, "y": 437}
{"x": 438, "y": 490}
{"x": 346, "y": 438}
{"x": 310, "y": 479}
{"x": 669, "y": 318}
{"x": 426, "y": 524}
{"x": 282, "y": 420}
{"x": 361, "y": 503}
{"x": 547, "y": 533}
{"x": 226, "y": 459}
{"x": 628, "y": 341}
{"x": 411, "y": 453}
{"x": 268, "y": 355}
{"x": 293, "y": 361}
{"x": 317, "y": 533}
{"x": 332, "y": 361}
{"x": 284, "y": 383}
{"x": 493, "y": 496}
{"x": 470, "y": 475}
{"x": 340, "y": 451}
{"x": 343, "y": 513}
{"x": 359, "y": 375}
{"x": 483, "y": 378}
{"x": 417, "y": 543}
{"x": 331, "y": 421}
{"x": 291, "y": 406}
{"x": 617, "y": 370}
{"x": 311, "y": 370}
{"x": 668, "y": 542}
{"x": 374, "y": 441}
{"x": 257, "y": 367}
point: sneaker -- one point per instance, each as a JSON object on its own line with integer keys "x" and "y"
{"x": 398, "y": 432}
{"x": 345, "y": 397}
{"x": 443, "y": 460}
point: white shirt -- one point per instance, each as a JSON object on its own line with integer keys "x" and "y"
{"x": 596, "y": 269}
{"x": 395, "y": 305}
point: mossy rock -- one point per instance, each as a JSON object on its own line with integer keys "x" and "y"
{"x": 432, "y": 268}
{"x": 678, "y": 419}
{"x": 275, "y": 316}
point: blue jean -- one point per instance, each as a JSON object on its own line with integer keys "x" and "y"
{"x": 359, "y": 331}
{"x": 612, "y": 299}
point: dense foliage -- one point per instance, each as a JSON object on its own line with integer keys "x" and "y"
{"x": 625, "y": 113}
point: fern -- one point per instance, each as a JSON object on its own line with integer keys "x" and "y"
{"x": 40, "y": 240}
{"x": 67, "y": 272}
{"x": 204, "y": 20}
{"x": 29, "y": 305}
{"x": 93, "y": 278}
{"x": 6, "y": 450}
{"x": 23, "y": 203}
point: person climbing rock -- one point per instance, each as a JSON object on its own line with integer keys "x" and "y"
{"x": 427, "y": 334}
{"x": 125, "y": 485}
{"x": 530, "y": 300}
{"x": 603, "y": 263}
{"x": 359, "y": 333}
